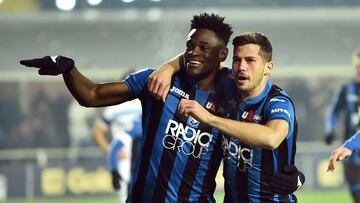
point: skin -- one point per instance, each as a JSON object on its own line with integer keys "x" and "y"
{"x": 357, "y": 68}
{"x": 341, "y": 153}
{"x": 338, "y": 154}
{"x": 251, "y": 73}
{"x": 203, "y": 47}
{"x": 203, "y": 54}
{"x": 90, "y": 94}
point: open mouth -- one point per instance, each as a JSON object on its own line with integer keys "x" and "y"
{"x": 242, "y": 77}
{"x": 194, "y": 63}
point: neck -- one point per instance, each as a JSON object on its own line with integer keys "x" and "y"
{"x": 207, "y": 83}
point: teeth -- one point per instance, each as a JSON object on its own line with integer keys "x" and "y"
{"x": 195, "y": 62}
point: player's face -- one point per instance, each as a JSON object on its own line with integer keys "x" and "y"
{"x": 249, "y": 69}
{"x": 204, "y": 52}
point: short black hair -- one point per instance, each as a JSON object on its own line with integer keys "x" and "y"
{"x": 214, "y": 23}
{"x": 255, "y": 38}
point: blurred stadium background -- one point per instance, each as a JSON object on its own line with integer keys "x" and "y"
{"x": 46, "y": 154}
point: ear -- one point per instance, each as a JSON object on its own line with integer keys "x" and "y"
{"x": 223, "y": 54}
{"x": 269, "y": 66}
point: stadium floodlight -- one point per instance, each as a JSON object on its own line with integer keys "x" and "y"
{"x": 127, "y": 1}
{"x": 155, "y": 0}
{"x": 67, "y": 5}
{"x": 1, "y": 1}
{"x": 94, "y": 2}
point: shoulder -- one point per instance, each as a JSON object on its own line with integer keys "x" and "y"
{"x": 141, "y": 73}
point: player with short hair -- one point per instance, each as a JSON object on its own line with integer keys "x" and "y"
{"x": 260, "y": 134}
{"x": 259, "y": 154}
{"x": 347, "y": 101}
{"x": 179, "y": 157}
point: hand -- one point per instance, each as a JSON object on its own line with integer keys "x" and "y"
{"x": 287, "y": 180}
{"x": 192, "y": 108}
{"x": 338, "y": 155}
{"x": 329, "y": 138}
{"x": 50, "y": 65}
{"x": 159, "y": 82}
{"x": 116, "y": 178}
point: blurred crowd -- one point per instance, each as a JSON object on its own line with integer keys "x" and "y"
{"x": 44, "y": 115}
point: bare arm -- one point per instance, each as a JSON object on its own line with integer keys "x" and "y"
{"x": 267, "y": 136}
{"x": 160, "y": 80}
{"x": 89, "y": 94}
{"x": 98, "y": 135}
{"x": 84, "y": 90}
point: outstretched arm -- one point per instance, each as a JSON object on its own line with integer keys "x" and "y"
{"x": 339, "y": 154}
{"x": 89, "y": 94}
{"x": 86, "y": 92}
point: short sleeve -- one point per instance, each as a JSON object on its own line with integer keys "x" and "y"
{"x": 137, "y": 82}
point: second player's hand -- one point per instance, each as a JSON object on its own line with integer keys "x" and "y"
{"x": 159, "y": 83}
{"x": 194, "y": 109}
{"x": 338, "y": 155}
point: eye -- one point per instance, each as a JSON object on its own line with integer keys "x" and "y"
{"x": 189, "y": 45}
{"x": 236, "y": 60}
{"x": 250, "y": 60}
{"x": 204, "y": 47}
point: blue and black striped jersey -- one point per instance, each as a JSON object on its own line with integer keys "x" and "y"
{"x": 247, "y": 169}
{"x": 347, "y": 100}
{"x": 179, "y": 156}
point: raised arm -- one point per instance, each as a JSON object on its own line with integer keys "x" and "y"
{"x": 86, "y": 92}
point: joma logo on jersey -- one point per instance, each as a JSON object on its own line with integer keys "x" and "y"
{"x": 185, "y": 139}
{"x": 237, "y": 155}
{"x": 251, "y": 116}
{"x": 179, "y": 92}
{"x": 280, "y": 110}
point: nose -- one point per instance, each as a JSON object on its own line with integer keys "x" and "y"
{"x": 239, "y": 66}
{"x": 194, "y": 51}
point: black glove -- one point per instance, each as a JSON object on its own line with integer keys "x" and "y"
{"x": 116, "y": 178}
{"x": 50, "y": 65}
{"x": 329, "y": 138}
{"x": 287, "y": 180}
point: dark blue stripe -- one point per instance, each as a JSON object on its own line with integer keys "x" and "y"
{"x": 154, "y": 119}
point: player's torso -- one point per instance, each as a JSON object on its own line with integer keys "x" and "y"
{"x": 180, "y": 156}
{"x": 352, "y": 109}
{"x": 247, "y": 168}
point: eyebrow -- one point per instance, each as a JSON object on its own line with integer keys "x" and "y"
{"x": 246, "y": 57}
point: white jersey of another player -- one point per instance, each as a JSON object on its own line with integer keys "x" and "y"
{"x": 124, "y": 123}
